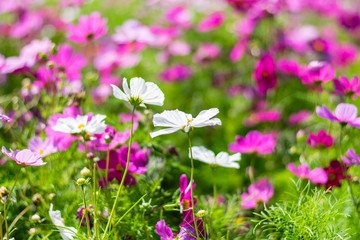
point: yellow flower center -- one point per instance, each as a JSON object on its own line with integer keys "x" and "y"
{"x": 41, "y": 151}
{"x": 81, "y": 126}
{"x": 186, "y": 204}
{"x": 118, "y": 167}
{"x": 318, "y": 46}
{"x": 239, "y": 220}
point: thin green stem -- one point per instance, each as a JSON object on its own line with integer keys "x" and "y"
{"x": 86, "y": 212}
{"x": 346, "y": 175}
{"x": 191, "y": 187}
{"x": 107, "y": 164}
{"x": 95, "y": 202}
{"x": 214, "y": 187}
{"x": 124, "y": 175}
{"x": 1, "y": 230}
{"x": 7, "y": 199}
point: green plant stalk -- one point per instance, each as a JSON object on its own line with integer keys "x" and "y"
{"x": 5, "y": 210}
{"x": 1, "y": 230}
{"x": 86, "y": 213}
{"x": 95, "y": 203}
{"x": 191, "y": 187}
{"x": 124, "y": 175}
{"x": 214, "y": 187}
{"x": 346, "y": 176}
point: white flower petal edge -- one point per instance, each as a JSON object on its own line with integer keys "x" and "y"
{"x": 176, "y": 119}
{"x": 222, "y": 159}
{"x": 70, "y": 125}
{"x": 140, "y": 91}
{"x": 67, "y": 233}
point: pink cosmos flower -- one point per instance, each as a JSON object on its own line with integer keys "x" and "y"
{"x": 262, "y": 116}
{"x": 163, "y": 36}
{"x": 239, "y": 49}
{"x": 29, "y": 22}
{"x": 299, "y": 117}
{"x": 163, "y": 230}
{"x": 24, "y": 157}
{"x": 344, "y": 55}
{"x": 211, "y": 22}
{"x": 43, "y": 148}
{"x": 265, "y": 75}
{"x": 345, "y": 113}
{"x": 317, "y": 175}
{"x": 206, "y": 52}
{"x": 176, "y": 73}
{"x": 179, "y": 48}
{"x": 34, "y": 49}
{"x": 344, "y": 86}
{"x": 317, "y": 73}
{"x": 349, "y": 20}
{"x": 259, "y": 192}
{"x": 5, "y": 118}
{"x": 132, "y": 36}
{"x": 352, "y": 158}
{"x": 179, "y": 16}
{"x": 254, "y": 142}
{"x": 320, "y": 140}
{"x": 288, "y": 66}
{"x": 89, "y": 29}
{"x": 68, "y": 62}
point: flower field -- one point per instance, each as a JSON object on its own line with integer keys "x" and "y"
{"x": 179, "y": 119}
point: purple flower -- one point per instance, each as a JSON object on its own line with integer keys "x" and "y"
{"x": 344, "y": 86}
{"x": 317, "y": 73}
{"x": 299, "y": 117}
{"x": 5, "y": 118}
{"x": 262, "y": 116}
{"x": 254, "y": 142}
{"x": 239, "y": 49}
{"x": 43, "y": 148}
{"x": 259, "y": 192}
{"x": 89, "y": 29}
{"x": 317, "y": 175}
{"x": 320, "y": 140}
{"x": 24, "y": 157}
{"x": 211, "y": 22}
{"x": 176, "y": 73}
{"x": 344, "y": 113}
{"x": 179, "y": 16}
{"x": 80, "y": 215}
{"x": 349, "y": 20}
{"x": 163, "y": 231}
{"x": 352, "y": 158}
{"x": 265, "y": 75}
{"x": 206, "y": 52}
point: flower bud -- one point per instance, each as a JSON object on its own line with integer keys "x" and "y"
{"x": 35, "y": 218}
{"x": 201, "y": 213}
{"x": 80, "y": 181}
{"x": 3, "y": 192}
{"x": 90, "y": 155}
{"x": 37, "y": 199}
{"x": 85, "y": 172}
{"x": 355, "y": 180}
{"x": 50, "y": 64}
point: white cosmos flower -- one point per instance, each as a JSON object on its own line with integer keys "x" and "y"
{"x": 176, "y": 120}
{"x": 139, "y": 93}
{"x": 222, "y": 159}
{"x": 67, "y": 233}
{"x": 81, "y": 124}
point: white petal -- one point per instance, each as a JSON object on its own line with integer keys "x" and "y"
{"x": 164, "y": 131}
{"x": 235, "y": 157}
{"x": 66, "y": 125}
{"x": 67, "y": 233}
{"x": 172, "y": 118}
{"x": 203, "y": 154}
{"x": 211, "y": 122}
{"x": 153, "y": 95}
{"x": 118, "y": 93}
{"x": 126, "y": 88}
{"x": 96, "y": 125}
{"x": 137, "y": 87}
{"x": 205, "y": 115}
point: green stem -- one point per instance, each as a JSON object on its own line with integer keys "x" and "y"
{"x": 191, "y": 187}
{"x": 86, "y": 213}
{"x": 95, "y": 203}
{"x": 107, "y": 164}
{"x": 346, "y": 176}
{"x": 5, "y": 209}
{"x": 214, "y": 187}
{"x": 124, "y": 175}
{"x": 1, "y": 230}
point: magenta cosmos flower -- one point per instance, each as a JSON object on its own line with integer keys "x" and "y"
{"x": 299, "y": 117}
{"x": 254, "y": 142}
{"x": 265, "y": 75}
{"x": 211, "y": 22}
{"x": 24, "y": 157}
{"x": 344, "y": 86}
{"x": 5, "y": 118}
{"x": 262, "y": 116}
{"x": 259, "y": 192}
{"x": 317, "y": 73}
{"x": 352, "y": 158}
{"x": 344, "y": 113}
{"x": 320, "y": 140}
{"x": 317, "y": 175}
{"x": 90, "y": 28}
